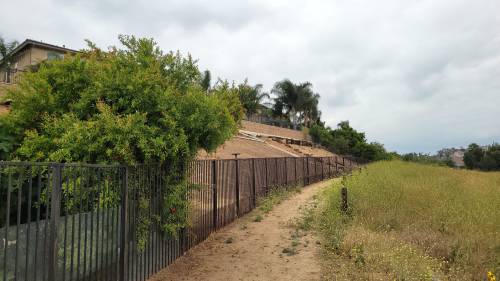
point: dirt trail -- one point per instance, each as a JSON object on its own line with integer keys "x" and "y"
{"x": 256, "y": 249}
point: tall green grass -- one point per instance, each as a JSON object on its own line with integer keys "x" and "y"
{"x": 411, "y": 221}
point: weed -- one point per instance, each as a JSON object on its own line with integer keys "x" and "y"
{"x": 258, "y": 218}
{"x": 229, "y": 240}
{"x": 275, "y": 197}
{"x": 289, "y": 251}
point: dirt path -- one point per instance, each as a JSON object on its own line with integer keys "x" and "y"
{"x": 248, "y": 250}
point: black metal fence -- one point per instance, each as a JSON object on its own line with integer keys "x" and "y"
{"x": 79, "y": 221}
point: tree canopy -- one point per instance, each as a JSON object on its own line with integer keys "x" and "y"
{"x": 347, "y": 141}
{"x": 487, "y": 159}
{"x": 5, "y": 50}
{"x": 130, "y": 105}
{"x": 251, "y": 97}
{"x": 296, "y": 102}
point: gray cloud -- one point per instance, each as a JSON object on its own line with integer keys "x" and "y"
{"x": 416, "y": 75}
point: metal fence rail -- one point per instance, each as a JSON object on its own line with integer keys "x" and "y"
{"x": 80, "y": 221}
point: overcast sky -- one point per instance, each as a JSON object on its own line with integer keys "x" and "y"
{"x": 415, "y": 75}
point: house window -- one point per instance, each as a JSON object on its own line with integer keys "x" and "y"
{"x": 54, "y": 55}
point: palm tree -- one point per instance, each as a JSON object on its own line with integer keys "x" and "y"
{"x": 296, "y": 102}
{"x": 6, "y": 49}
{"x": 206, "y": 80}
{"x": 251, "y": 97}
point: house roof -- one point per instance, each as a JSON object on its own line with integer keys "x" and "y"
{"x": 30, "y": 42}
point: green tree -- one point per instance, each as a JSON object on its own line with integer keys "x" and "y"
{"x": 206, "y": 80}
{"x": 130, "y": 105}
{"x": 6, "y": 49}
{"x": 251, "y": 97}
{"x": 346, "y": 140}
{"x": 491, "y": 159}
{"x": 124, "y": 106}
{"x": 296, "y": 102}
{"x": 473, "y": 156}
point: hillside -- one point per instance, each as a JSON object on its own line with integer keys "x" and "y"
{"x": 257, "y": 140}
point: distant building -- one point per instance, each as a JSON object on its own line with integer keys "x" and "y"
{"x": 456, "y": 155}
{"x": 26, "y": 55}
{"x": 458, "y": 158}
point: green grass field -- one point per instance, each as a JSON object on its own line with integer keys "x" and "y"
{"x": 411, "y": 221}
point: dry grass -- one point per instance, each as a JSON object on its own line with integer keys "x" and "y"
{"x": 413, "y": 222}
{"x": 274, "y": 197}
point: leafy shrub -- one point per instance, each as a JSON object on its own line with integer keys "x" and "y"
{"x": 131, "y": 105}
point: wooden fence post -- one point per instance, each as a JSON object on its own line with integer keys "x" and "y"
{"x": 344, "y": 205}
{"x": 55, "y": 208}
{"x": 124, "y": 228}
{"x": 214, "y": 192}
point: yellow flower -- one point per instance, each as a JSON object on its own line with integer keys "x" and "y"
{"x": 491, "y": 276}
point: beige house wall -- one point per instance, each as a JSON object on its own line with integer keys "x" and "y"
{"x": 31, "y": 55}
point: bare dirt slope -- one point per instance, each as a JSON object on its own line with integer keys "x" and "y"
{"x": 248, "y": 250}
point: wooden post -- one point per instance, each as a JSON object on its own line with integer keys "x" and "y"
{"x": 344, "y": 206}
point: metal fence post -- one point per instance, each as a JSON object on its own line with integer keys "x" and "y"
{"x": 322, "y": 168}
{"x": 329, "y": 167}
{"x": 307, "y": 169}
{"x": 277, "y": 183}
{"x": 124, "y": 227}
{"x": 316, "y": 176}
{"x": 295, "y": 167}
{"x": 267, "y": 182}
{"x": 214, "y": 190}
{"x": 55, "y": 208}
{"x": 286, "y": 171}
{"x": 237, "y": 187}
{"x": 253, "y": 183}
